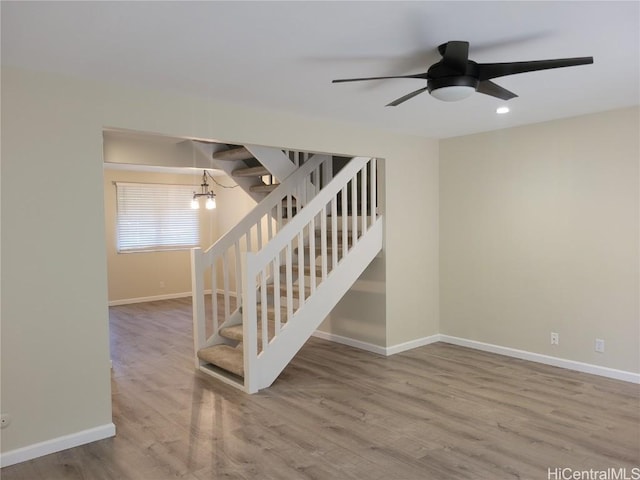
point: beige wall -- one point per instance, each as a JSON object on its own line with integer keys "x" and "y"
{"x": 411, "y": 214}
{"x": 149, "y": 274}
{"x": 361, "y": 314}
{"x": 54, "y": 269}
{"x": 539, "y": 233}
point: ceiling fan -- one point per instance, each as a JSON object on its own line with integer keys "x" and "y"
{"x": 455, "y": 77}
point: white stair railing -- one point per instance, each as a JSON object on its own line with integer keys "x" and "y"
{"x": 221, "y": 264}
{"x": 292, "y": 254}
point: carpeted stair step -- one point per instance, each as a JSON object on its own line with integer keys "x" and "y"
{"x": 233, "y": 154}
{"x": 225, "y": 357}
{"x": 307, "y": 261}
{"x": 264, "y": 188}
{"x": 339, "y": 225}
{"x": 271, "y": 312}
{"x": 319, "y": 249}
{"x": 250, "y": 172}
{"x": 307, "y": 270}
{"x": 294, "y": 288}
{"x": 329, "y": 237}
{"x": 237, "y": 333}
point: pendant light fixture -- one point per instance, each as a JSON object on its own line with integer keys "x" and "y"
{"x": 210, "y": 203}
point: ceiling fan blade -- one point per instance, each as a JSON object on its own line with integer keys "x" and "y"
{"x": 417, "y": 75}
{"x": 408, "y": 96}
{"x": 493, "y": 89}
{"x": 487, "y": 71}
{"x": 456, "y": 55}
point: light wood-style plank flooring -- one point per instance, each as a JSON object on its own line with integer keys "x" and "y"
{"x": 437, "y": 412}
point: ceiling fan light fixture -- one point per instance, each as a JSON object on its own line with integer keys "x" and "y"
{"x": 453, "y": 94}
{"x": 452, "y": 89}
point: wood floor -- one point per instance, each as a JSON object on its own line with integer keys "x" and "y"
{"x": 437, "y": 412}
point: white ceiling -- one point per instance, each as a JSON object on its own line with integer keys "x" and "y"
{"x": 283, "y": 55}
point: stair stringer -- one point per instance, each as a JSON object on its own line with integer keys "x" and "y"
{"x": 281, "y": 166}
{"x": 274, "y": 160}
{"x": 307, "y": 319}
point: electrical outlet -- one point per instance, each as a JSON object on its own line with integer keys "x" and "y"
{"x": 555, "y": 338}
{"x": 599, "y": 345}
{"x": 5, "y": 420}
{"x": 161, "y": 284}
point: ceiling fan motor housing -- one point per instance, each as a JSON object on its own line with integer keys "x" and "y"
{"x": 452, "y": 84}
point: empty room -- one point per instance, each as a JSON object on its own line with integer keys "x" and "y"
{"x": 320, "y": 240}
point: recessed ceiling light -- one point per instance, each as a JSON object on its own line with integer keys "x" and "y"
{"x": 502, "y": 110}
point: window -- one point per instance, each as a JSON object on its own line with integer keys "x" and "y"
{"x": 155, "y": 217}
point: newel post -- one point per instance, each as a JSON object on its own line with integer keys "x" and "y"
{"x": 197, "y": 301}
{"x": 249, "y": 323}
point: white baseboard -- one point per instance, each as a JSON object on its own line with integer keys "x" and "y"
{"x": 370, "y": 347}
{"x": 155, "y": 298}
{"x": 485, "y": 347}
{"x": 419, "y": 342}
{"x": 545, "y": 359}
{"x": 57, "y": 444}
{"x": 351, "y": 342}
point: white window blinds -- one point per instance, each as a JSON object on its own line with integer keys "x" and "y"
{"x": 155, "y": 217}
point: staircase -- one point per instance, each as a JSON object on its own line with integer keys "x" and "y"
{"x": 286, "y": 264}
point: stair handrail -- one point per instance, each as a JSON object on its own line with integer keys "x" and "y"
{"x": 256, "y": 264}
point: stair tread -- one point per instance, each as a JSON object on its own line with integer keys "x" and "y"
{"x": 295, "y": 287}
{"x": 339, "y": 232}
{"x": 225, "y": 357}
{"x": 236, "y": 332}
{"x": 250, "y": 172}
{"x": 271, "y": 312}
{"x": 264, "y": 188}
{"x": 319, "y": 248}
{"x": 307, "y": 269}
{"x": 233, "y": 154}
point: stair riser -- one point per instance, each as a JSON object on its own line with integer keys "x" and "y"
{"x": 283, "y": 290}
{"x": 264, "y": 188}
{"x": 250, "y": 172}
{"x": 271, "y": 315}
{"x": 307, "y": 270}
{"x": 232, "y": 155}
{"x": 318, "y": 251}
{"x": 236, "y": 333}
{"x": 225, "y": 357}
